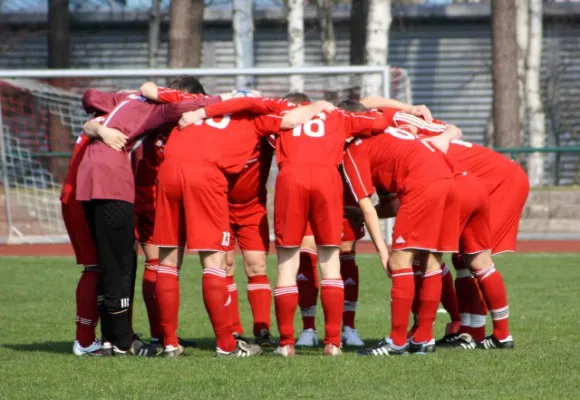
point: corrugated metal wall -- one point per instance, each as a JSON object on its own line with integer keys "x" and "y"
{"x": 448, "y": 61}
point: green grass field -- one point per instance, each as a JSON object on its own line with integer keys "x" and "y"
{"x": 37, "y": 330}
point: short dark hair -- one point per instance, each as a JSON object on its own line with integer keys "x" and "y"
{"x": 352, "y": 106}
{"x": 188, "y": 84}
{"x": 297, "y": 98}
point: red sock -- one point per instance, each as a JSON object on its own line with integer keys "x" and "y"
{"x": 430, "y": 298}
{"x": 463, "y": 287}
{"x": 215, "y": 296}
{"x": 478, "y": 311}
{"x": 148, "y": 289}
{"x": 87, "y": 307}
{"x": 167, "y": 297}
{"x": 349, "y": 273}
{"x": 307, "y": 282}
{"x": 234, "y": 306}
{"x": 332, "y": 295}
{"x": 401, "y": 302}
{"x": 493, "y": 290}
{"x": 286, "y": 302}
{"x": 418, "y": 280}
{"x": 260, "y": 298}
{"x": 448, "y": 295}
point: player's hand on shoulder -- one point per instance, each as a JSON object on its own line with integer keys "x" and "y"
{"x": 191, "y": 117}
{"x": 453, "y": 132}
{"x": 113, "y": 138}
{"x": 421, "y": 111}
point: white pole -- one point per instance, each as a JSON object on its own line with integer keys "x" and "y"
{"x": 389, "y": 222}
{"x": 5, "y": 181}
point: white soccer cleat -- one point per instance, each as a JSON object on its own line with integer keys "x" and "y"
{"x": 332, "y": 350}
{"x": 350, "y": 337}
{"x": 285, "y": 351}
{"x": 94, "y": 349}
{"x": 307, "y": 338}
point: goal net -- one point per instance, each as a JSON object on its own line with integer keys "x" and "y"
{"x": 40, "y": 120}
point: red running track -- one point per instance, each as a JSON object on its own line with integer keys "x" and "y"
{"x": 526, "y": 246}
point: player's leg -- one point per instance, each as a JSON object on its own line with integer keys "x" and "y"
{"x": 308, "y": 287}
{"x": 349, "y": 271}
{"x": 326, "y": 211}
{"x": 208, "y": 232}
{"x": 87, "y": 309}
{"x": 291, "y": 202}
{"x": 233, "y": 305}
{"x": 494, "y": 293}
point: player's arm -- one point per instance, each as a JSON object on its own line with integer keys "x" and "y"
{"x": 149, "y": 90}
{"x": 301, "y": 115}
{"x": 372, "y": 224}
{"x": 381, "y": 102}
{"x": 113, "y": 138}
{"x": 442, "y": 141}
{"x": 172, "y": 112}
{"x": 96, "y": 101}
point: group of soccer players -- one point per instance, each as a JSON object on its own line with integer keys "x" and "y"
{"x": 176, "y": 170}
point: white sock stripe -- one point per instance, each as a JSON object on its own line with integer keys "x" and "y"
{"x": 465, "y": 319}
{"x": 285, "y": 290}
{"x": 500, "y": 313}
{"x": 477, "y": 321}
{"x": 339, "y": 285}
{"x": 332, "y": 281}
{"x": 151, "y": 267}
{"x": 259, "y": 286}
{"x": 484, "y": 273}
{"x": 444, "y": 270}
{"x": 168, "y": 271}
{"x": 395, "y": 274}
{"x": 432, "y": 273}
{"x": 232, "y": 288}
{"x": 417, "y": 273}
{"x": 347, "y": 257}
{"x": 125, "y": 302}
{"x": 308, "y": 312}
{"x": 214, "y": 271}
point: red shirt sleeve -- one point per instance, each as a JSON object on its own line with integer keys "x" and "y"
{"x": 357, "y": 173}
{"x": 267, "y": 124}
{"x": 434, "y": 128}
{"x": 166, "y": 95}
{"x": 171, "y": 112}
{"x": 252, "y": 105}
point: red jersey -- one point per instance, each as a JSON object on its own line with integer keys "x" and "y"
{"x": 320, "y": 141}
{"x": 395, "y": 161}
{"x": 105, "y": 173}
{"x": 167, "y": 95}
{"x": 489, "y": 166}
{"x": 227, "y": 142}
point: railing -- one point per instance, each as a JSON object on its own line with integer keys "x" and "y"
{"x": 527, "y": 150}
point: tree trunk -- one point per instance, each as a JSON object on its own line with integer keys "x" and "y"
{"x": 358, "y": 35}
{"x": 295, "y": 21}
{"x": 185, "y": 33}
{"x": 328, "y": 39}
{"x": 59, "y": 135}
{"x": 377, "y": 43}
{"x": 535, "y": 113}
{"x": 523, "y": 35}
{"x": 154, "y": 28}
{"x": 243, "y": 40}
{"x": 506, "y": 101}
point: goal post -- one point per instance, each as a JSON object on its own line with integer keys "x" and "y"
{"x": 41, "y": 115}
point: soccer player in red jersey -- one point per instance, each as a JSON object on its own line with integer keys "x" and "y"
{"x": 181, "y": 89}
{"x": 192, "y": 205}
{"x": 108, "y": 205}
{"x": 428, "y": 219}
{"x": 507, "y": 189}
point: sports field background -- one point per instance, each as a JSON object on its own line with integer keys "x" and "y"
{"x": 37, "y": 313}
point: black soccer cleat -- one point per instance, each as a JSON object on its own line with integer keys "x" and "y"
{"x": 447, "y": 340}
{"x": 464, "y": 341}
{"x": 240, "y": 338}
{"x": 421, "y": 348}
{"x": 265, "y": 339}
{"x": 138, "y": 348}
{"x": 490, "y": 342}
{"x": 384, "y": 348}
{"x": 107, "y": 349}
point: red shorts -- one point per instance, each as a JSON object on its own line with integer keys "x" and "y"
{"x": 249, "y": 226}
{"x": 308, "y": 195}
{"x": 79, "y": 233}
{"x": 145, "y": 198}
{"x": 352, "y": 232}
{"x": 506, "y": 205}
{"x": 192, "y": 207}
{"x": 428, "y": 218}
{"x": 474, "y": 228}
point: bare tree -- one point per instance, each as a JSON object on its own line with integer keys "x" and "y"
{"x": 534, "y": 110}
{"x": 185, "y": 33}
{"x": 506, "y": 100}
{"x": 243, "y": 40}
{"x": 377, "y": 42}
{"x": 324, "y": 8}
{"x": 295, "y": 19}
{"x": 154, "y": 29}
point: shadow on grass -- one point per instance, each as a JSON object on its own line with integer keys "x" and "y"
{"x": 42, "y": 347}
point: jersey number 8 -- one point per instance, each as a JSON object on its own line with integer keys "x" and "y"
{"x": 313, "y": 128}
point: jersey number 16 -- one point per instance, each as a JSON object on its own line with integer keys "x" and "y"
{"x": 313, "y": 128}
